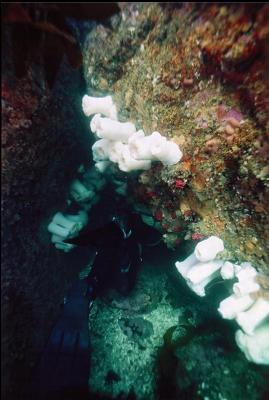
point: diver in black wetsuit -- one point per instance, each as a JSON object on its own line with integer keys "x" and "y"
{"x": 65, "y": 364}
{"x": 118, "y": 254}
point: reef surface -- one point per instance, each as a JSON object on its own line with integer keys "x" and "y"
{"x": 197, "y": 73}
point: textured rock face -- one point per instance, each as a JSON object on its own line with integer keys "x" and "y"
{"x": 41, "y": 150}
{"x": 197, "y": 73}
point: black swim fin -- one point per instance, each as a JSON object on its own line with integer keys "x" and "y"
{"x": 65, "y": 363}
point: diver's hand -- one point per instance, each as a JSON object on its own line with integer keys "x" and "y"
{"x": 63, "y": 226}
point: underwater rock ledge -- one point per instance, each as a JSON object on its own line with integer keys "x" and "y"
{"x": 197, "y": 74}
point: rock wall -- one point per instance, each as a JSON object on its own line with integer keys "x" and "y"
{"x": 44, "y": 140}
{"x": 197, "y": 73}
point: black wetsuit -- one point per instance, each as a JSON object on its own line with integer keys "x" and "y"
{"x": 117, "y": 258}
{"x": 65, "y": 363}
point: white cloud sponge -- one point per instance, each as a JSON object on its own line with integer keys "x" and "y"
{"x": 99, "y": 105}
{"x": 106, "y": 128}
{"x": 255, "y": 347}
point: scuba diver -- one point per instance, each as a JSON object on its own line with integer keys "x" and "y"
{"x": 65, "y": 363}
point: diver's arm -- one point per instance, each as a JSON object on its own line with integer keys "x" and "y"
{"x": 96, "y": 237}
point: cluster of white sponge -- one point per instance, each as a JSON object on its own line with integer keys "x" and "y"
{"x": 66, "y": 227}
{"x": 84, "y": 192}
{"x": 249, "y": 310}
{"x": 120, "y": 143}
{"x": 248, "y": 305}
{"x": 96, "y": 105}
{"x": 200, "y": 268}
{"x": 256, "y": 346}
